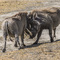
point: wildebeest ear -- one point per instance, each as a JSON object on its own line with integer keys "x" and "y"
{"x": 29, "y": 15}
{"x": 18, "y": 17}
{"x": 35, "y": 15}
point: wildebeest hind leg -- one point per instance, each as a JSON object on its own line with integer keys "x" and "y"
{"x": 38, "y": 36}
{"x": 5, "y": 38}
{"x": 22, "y": 41}
{"x": 50, "y": 34}
{"x": 16, "y": 40}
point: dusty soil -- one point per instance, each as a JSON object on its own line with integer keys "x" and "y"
{"x": 44, "y": 50}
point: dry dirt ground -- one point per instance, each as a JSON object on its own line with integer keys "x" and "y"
{"x": 44, "y": 50}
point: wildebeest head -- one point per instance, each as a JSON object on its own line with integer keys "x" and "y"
{"x": 30, "y": 23}
{"x": 34, "y": 24}
{"x": 35, "y": 28}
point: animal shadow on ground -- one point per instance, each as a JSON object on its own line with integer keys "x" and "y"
{"x": 57, "y": 40}
{"x": 35, "y": 45}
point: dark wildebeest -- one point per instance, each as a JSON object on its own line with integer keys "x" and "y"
{"x": 54, "y": 13}
{"x": 40, "y": 17}
{"x": 43, "y": 21}
{"x": 14, "y": 27}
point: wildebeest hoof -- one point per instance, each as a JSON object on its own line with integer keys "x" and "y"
{"x": 24, "y": 45}
{"x": 20, "y": 48}
{"x": 52, "y": 40}
{"x": 31, "y": 37}
{"x": 3, "y": 50}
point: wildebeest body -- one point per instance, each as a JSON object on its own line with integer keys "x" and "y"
{"x": 56, "y": 19}
{"x": 14, "y": 27}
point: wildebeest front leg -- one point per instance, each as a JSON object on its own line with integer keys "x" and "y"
{"x": 50, "y": 34}
{"x": 5, "y": 38}
{"x": 27, "y": 32}
{"x": 38, "y": 36}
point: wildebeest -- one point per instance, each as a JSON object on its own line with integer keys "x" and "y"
{"x": 14, "y": 27}
{"x": 43, "y": 21}
{"x": 53, "y": 13}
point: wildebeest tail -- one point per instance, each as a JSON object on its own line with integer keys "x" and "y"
{"x": 5, "y": 29}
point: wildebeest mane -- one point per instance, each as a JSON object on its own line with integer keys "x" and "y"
{"x": 51, "y": 10}
{"x": 16, "y": 15}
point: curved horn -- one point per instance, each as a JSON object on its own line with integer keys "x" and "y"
{"x": 37, "y": 22}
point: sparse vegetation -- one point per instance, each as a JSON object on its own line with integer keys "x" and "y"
{"x": 16, "y": 5}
